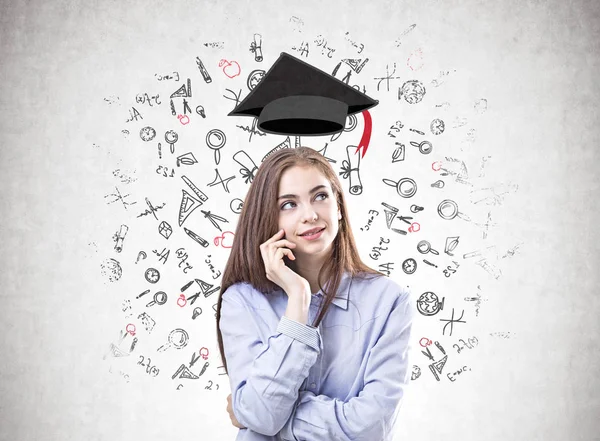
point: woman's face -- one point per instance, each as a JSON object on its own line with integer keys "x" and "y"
{"x": 306, "y": 201}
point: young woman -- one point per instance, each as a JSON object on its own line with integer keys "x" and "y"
{"x": 314, "y": 341}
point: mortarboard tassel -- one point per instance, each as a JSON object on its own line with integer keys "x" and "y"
{"x": 366, "y": 138}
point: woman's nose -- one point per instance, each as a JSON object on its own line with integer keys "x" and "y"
{"x": 309, "y": 215}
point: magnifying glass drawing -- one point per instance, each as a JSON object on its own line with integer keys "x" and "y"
{"x": 178, "y": 338}
{"x": 160, "y": 297}
{"x": 424, "y": 247}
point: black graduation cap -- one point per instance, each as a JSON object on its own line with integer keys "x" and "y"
{"x": 295, "y": 98}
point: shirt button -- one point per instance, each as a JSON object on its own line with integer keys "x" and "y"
{"x": 313, "y": 385}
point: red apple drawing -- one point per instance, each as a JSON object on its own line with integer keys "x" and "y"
{"x": 226, "y": 239}
{"x": 232, "y": 69}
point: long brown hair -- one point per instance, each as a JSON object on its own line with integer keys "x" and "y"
{"x": 259, "y": 220}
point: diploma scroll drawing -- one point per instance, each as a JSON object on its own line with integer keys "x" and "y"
{"x": 351, "y": 168}
{"x": 249, "y": 168}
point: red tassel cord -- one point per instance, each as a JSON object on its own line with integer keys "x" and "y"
{"x": 366, "y": 138}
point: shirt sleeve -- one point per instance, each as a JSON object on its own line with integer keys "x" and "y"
{"x": 265, "y": 376}
{"x": 372, "y": 414}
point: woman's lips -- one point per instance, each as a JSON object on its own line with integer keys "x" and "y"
{"x": 314, "y": 235}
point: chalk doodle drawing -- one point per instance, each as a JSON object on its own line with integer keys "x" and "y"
{"x": 415, "y": 231}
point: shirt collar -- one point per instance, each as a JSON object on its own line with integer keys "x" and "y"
{"x": 341, "y": 299}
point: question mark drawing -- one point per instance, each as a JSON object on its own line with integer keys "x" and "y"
{"x": 141, "y": 255}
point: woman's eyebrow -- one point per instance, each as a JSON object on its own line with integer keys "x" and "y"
{"x": 294, "y": 196}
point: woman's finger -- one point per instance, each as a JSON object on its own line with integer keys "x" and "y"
{"x": 274, "y": 237}
{"x": 280, "y": 252}
{"x": 283, "y": 243}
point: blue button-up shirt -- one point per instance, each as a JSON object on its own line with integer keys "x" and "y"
{"x": 343, "y": 380}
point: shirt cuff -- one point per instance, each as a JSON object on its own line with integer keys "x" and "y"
{"x": 303, "y": 333}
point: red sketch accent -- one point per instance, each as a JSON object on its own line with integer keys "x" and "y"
{"x": 225, "y": 239}
{"x": 436, "y": 166}
{"x": 427, "y": 342}
{"x": 232, "y": 69}
{"x": 130, "y": 328}
{"x": 204, "y": 353}
{"x": 414, "y": 227}
{"x": 181, "y": 301}
{"x": 415, "y": 60}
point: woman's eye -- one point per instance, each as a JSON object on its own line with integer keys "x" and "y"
{"x": 323, "y": 195}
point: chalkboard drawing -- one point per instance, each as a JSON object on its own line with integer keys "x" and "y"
{"x": 413, "y": 91}
{"x": 111, "y": 269}
{"x": 437, "y": 126}
{"x": 213, "y": 218}
{"x": 165, "y": 229}
{"x": 416, "y": 372}
{"x": 230, "y": 68}
{"x": 184, "y": 91}
{"x": 120, "y": 237}
{"x": 187, "y": 206}
{"x": 400, "y": 152}
{"x": 351, "y": 169}
{"x": 206, "y": 289}
{"x": 405, "y": 187}
{"x": 254, "y": 78}
{"x": 115, "y": 349}
{"x": 215, "y": 140}
{"x": 424, "y": 247}
{"x": 295, "y": 98}
{"x": 197, "y": 238}
{"x": 147, "y": 133}
{"x": 437, "y": 367}
{"x": 160, "y": 298}
{"x": 256, "y": 48}
{"x": 118, "y": 197}
{"x": 236, "y": 205}
{"x": 425, "y": 147}
{"x": 186, "y": 159}
{"x": 147, "y": 321}
{"x": 429, "y": 303}
{"x": 152, "y": 275}
{"x": 219, "y": 180}
{"x": 249, "y": 168}
{"x": 448, "y": 209}
{"x": 451, "y": 322}
{"x": 196, "y": 312}
{"x": 323, "y": 152}
{"x": 171, "y": 137}
{"x": 286, "y": 144}
{"x": 184, "y": 372}
{"x": 203, "y": 70}
{"x": 178, "y": 339}
{"x": 390, "y": 213}
{"x": 355, "y": 64}
{"x": 409, "y": 266}
{"x": 451, "y": 244}
{"x": 225, "y": 240}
